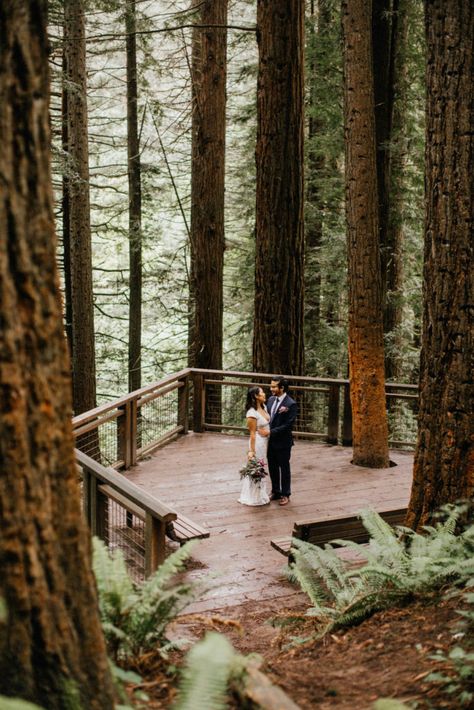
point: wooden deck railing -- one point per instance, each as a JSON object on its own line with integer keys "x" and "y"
{"x": 119, "y": 433}
{"x": 124, "y": 516}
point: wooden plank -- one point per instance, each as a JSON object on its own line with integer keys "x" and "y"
{"x": 123, "y": 501}
{"x": 191, "y": 527}
{"x": 325, "y": 531}
{"x": 282, "y": 544}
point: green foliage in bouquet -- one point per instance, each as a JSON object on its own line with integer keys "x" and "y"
{"x": 135, "y": 617}
{"x": 400, "y": 564}
{"x": 254, "y": 469}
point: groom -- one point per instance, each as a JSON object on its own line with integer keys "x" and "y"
{"x": 283, "y": 410}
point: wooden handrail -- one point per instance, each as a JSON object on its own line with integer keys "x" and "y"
{"x": 121, "y": 401}
{"x": 126, "y": 488}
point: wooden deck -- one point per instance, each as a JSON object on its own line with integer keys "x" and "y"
{"x": 197, "y": 475}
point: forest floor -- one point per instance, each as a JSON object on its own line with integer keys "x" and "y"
{"x": 387, "y": 656}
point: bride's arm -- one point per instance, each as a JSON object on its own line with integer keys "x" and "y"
{"x": 252, "y": 427}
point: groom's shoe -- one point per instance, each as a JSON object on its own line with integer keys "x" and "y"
{"x": 275, "y": 496}
{"x": 284, "y": 500}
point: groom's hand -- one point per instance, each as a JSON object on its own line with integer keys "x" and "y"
{"x": 263, "y": 431}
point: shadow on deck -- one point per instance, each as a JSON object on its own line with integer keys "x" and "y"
{"x": 198, "y": 476}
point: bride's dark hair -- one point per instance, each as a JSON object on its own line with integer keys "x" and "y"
{"x": 252, "y": 398}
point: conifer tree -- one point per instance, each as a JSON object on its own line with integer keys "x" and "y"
{"x": 366, "y": 353}
{"x": 444, "y": 456}
{"x": 52, "y": 651}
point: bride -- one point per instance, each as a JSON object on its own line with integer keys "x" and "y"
{"x": 255, "y": 492}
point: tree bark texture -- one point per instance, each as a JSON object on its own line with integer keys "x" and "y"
{"x": 366, "y": 352}
{"x": 318, "y": 21}
{"x": 83, "y": 349}
{"x": 209, "y": 73}
{"x": 135, "y": 207}
{"x": 278, "y": 341}
{"x": 444, "y": 456}
{"x": 393, "y": 310}
{"x": 66, "y": 220}
{"x": 382, "y": 62}
{"x": 52, "y": 650}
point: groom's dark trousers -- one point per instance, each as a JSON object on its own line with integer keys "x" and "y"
{"x": 279, "y": 469}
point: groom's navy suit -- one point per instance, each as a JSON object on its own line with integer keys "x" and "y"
{"x": 280, "y": 443}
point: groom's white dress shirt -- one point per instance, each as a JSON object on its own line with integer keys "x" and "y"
{"x": 276, "y": 404}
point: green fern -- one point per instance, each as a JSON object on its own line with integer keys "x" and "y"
{"x": 399, "y": 564}
{"x": 206, "y": 675}
{"x": 16, "y": 704}
{"x": 458, "y": 679}
{"x": 135, "y": 617}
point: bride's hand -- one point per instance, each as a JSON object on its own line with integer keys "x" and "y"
{"x": 264, "y": 431}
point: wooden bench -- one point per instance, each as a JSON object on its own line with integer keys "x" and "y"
{"x": 320, "y": 532}
{"x": 180, "y": 530}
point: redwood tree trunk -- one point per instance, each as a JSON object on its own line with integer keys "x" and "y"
{"x": 135, "y": 207}
{"x": 208, "y": 184}
{"x": 83, "y": 340}
{"x": 382, "y": 23}
{"x": 278, "y": 342}
{"x": 444, "y": 457}
{"x": 366, "y": 353}
{"x": 52, "y": 650}
{"x": 393, "y": 311}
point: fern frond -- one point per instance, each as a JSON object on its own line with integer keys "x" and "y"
{"x": 173, "y": 564}
{"x": 205, "y": 677}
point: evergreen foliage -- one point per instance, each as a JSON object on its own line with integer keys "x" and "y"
{"x": 206, "y": 674}
{"x": 135, "y": 617}
{"x": 400, "y": 564}
{"x": 458, "y": 678}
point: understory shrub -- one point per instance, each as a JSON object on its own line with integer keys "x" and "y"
{"x": 135, "y": 616}
{"x": 399, "y": 564}
{"x": 457, "y": 677}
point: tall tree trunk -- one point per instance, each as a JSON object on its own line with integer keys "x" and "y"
{"x": 319, "y": 19}
{"x": 444, "y": 457}
{"x": 83, "y": 349}
{"x": 52, "y": 650}
{"x": 66, "y": 240}
{"x": 366, "y": 353}
{"x": 393, "y": 312}
{"x": 383, "y": 99}
{"x": 208, "y": 183}
{"x": 135, "y": 206}
{"x": 278, "y": 342}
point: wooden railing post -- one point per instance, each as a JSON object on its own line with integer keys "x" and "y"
{"x": 333, "y": 415}
{"x": 154, "y": 543}
{"x": 98, "y": 509}
{"x": 183, "y": 405}
{"x": 347, "y": 418}
{"x": 198, "y": 402}
{"x": 86, "y": 493}
{"x": 124, "y": 448}
{"x": 135, "y": 431}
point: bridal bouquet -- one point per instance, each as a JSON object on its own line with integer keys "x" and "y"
{"x": 254, "y": 469}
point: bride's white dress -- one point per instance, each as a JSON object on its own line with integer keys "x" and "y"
{"x": 255, "y": 493}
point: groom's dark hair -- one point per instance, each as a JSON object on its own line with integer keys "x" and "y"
{"x": 283, "y": 383}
